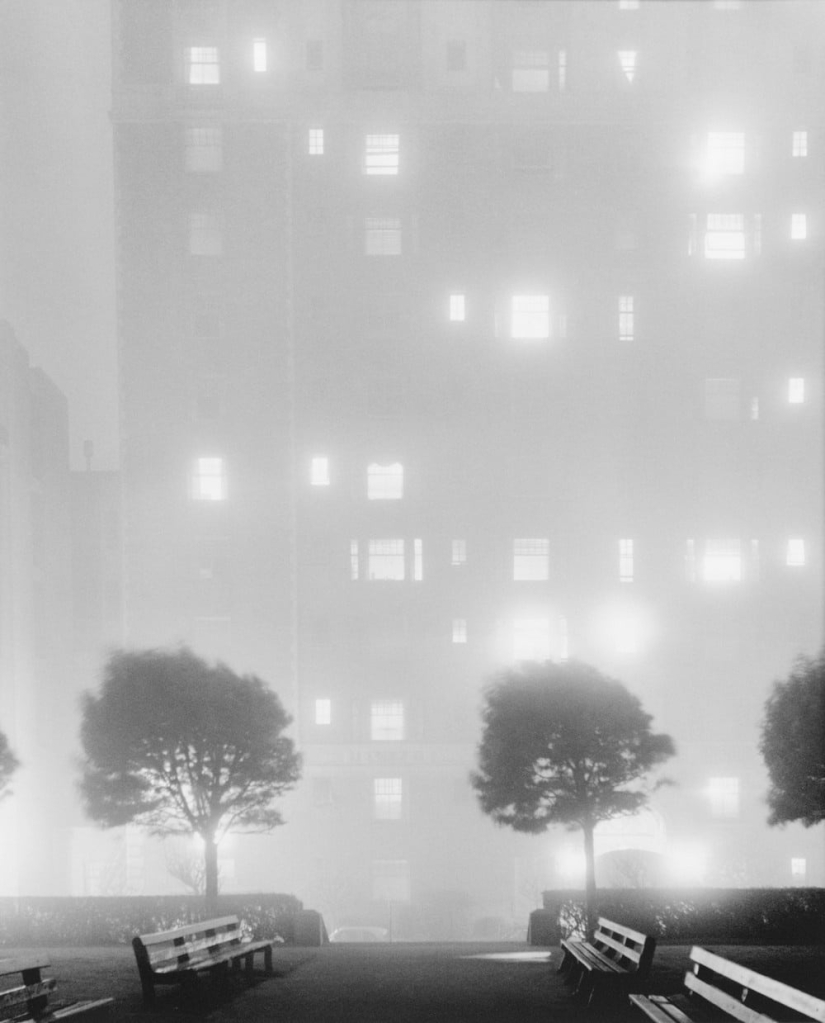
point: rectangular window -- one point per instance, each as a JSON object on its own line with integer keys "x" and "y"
{"x": 391, "y": 880}
{"x": 799, "y": 868}
{"x": 456, "y": 55}
{"x": 386, "y": 560}
{"x": 259, "y": 55}
{"x": 204, "y": 65}
{"x": 628, "y": 5}
{"x": 381, "y": 154}
{"x": 457, "y": 308}
{"x": 562, "y": 70}
{"x": 530, "y": 317}
{"x": 723, "y": 794}
{"x": 386, "y": 799}
{"x": 626, "y": 561}
{"x": 459, "y": 630}
{"x": 458, "y": 554}
{"x": 799, "y": 226}
{"x": 754, "y": 409}
{"x": 204, "y": 150}
{"x": 382, "y": 236}
{"x": 387, "y": 720}
{"x": 315, "y": 142}
{"x": 531, "y": 639}
{"x": 208, "y": 480}
{"x": 627, "y": 322}
{"x": 319, "y": 471}
{"x": 799, "y": 144}
{"x": 315, "y": 55}
{"x": 795, "y": 552}
{"x": 418, "y": 560}
{"x": 353, "y": 560}
{"x": 323, "y": 712}
{"x": 796, "y": 390}
{"x": 205, "y": 234}
{"x": 385, "y": 482}
{"x": 531, "y": 71}
{"x": 531, "y": 560}
{"x": 722, "y": 398}
{"x": 725, "y": 153}
{"x": 725, "y": 236}
{"x": 627, "y": 62}
{"x": 722, "y": 561}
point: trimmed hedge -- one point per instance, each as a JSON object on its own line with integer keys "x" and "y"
{"x": 681, "y": 916}
{"x": 115, "y": 920}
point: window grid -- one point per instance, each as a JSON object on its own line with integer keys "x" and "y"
{"x": 726, "y": 152}
{"x": 627, "y": 62}
{"x": 381, "y": 154}
{"x": 204, "y": 149}
{"x": 626, "y": 566}
{"x": 385, "y": 482}
{"x": 531, "y": 71}
{"x": 627, "y": 318}
{"x": 562, "y": 70}
{"x": 799, "y": 226}
{"x": 353, "y": 560}
{"x": 204, "y": 65}
{"x": 387, "y": 721}
{"x": 795, "y": 552}
{"x": 725, "y": 236}
{"x": 418, "y": 560}
{"x": 459, "y": 630}
{"x": 531, "y": 559}
{"x": 315, "y": 142}
{"x": 530, "y": 317}
{"x": 386, "y": 560}
{"x": 382, "y": 236}
{"x": 387, "y": 798}
{"x": 458, "y": 555}
{"x": 209, "y": 480}
{"x": 457, "y": 308}
{"x": 799, "y": 144}
{"x": 722, "y": 561}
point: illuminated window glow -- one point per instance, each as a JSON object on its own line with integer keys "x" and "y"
{"x": 418, "y": 560}
{"x": 387, "y": 720}
{"x": 799, "y": 226}
{"x": 323, "y": 712}
{"x": 795, "y": 552}
{"x": 204, "y": 65}
{"x": 386, "y": 560}
{"x": 627, "y": 325}
{"x": 457, "y": 308}
{"x": 205, "y": 234}
{"x": 723, "y": 794}
{"x": 459, "y": 630}
{"x": 531, "y": 71}
{"x": 725, "y": 236}
{"x": 381, "y": 154}
{"x": 315, "y": 142}
{"x": 530, "y": 317}
{"x": 722, "y": 561}
{"x": 353, "y": 560}
{"x": 209, "y": 480}
{"x": 385, "y": 482}
{"x": 531, "y": 639}
{"x": 259, "y": 55}
{"x": 531, "y": 560}
{"x": 796, "y": 390}
{"x": 626, "y": 561}
{"x": 628, "y": 5}
{"x": 627, "y": 62}
{"x": 799, "y": 144}
{"x": 386, "y": 796}
{"x": 725, "y": 153}
{"x": 799, "y": 867}
{"x": 382, "y": 236}
{"x": 319, "y": 471}
{"x": 458, "y": 554}
{"x": 562, "y": 70}
{"x": 204, "y": 150}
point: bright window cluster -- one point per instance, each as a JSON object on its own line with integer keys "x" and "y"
{"x": 725, "y": 236}
{"x": 387, "y": 720}
{"x": 387, "y": 793}
{"x": 381, "y": 154}
{"x": 204, "y": 65}
{"x": 386, "y": 560}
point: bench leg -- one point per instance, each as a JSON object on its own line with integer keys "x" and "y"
{"x": 268, "y": 959}
{"x": 249, "y": 964}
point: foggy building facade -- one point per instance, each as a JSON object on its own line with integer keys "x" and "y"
{"x": 457, "y": 334}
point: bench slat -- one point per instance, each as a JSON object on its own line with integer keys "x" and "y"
{"x": 614, "y": 928}
{"x": 21, "y": 996}
{"x": 660, "y": 1010}
{"x": 79, "y": 1009}
{"x": 8, "y": 966}
{"x": 191, "y": 948}
{"x": 733, "y": 1006}
{"x": 195, "y": 929}
{"x": 625, "y": 950}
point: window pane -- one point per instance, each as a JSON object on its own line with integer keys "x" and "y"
{"x": 531, "y": 639}
{"x": 796, "y": 390}
{"x": 259, "y": 55}
{"x": 204, "y": 67}
{"x": 799, "y": 226}
{"x": 725, "y": 152}
{"x": 530, "y": 316}
{"x": 626, "y": 561}
{"x": 724, "y": 797}
{"x": 799, "y": 143}
{"x": 323, "y": 712}
{"x": 722, "y": 561}
{"x": 316, "y": 142}
{"x": 387, "y": 794}
{"x": 386, "y": 559}
{"x": 209, "y": 480}
{"x": 627, "y": 324}
{"x": 627, "y": 62}
{"x": 459, "y": 630}
{"x": 382, "y": 236}
{"x": 381, "y": 155}
{"x": 725, "y": 236}
{"x": 531, "y": 71}
{"x": 387, "y": 720}
{"x": 319, "y": 472}
{"x": 204, "y": 149}
{"x": 457, "y": 308}
{"x": 795, "y": 554}
{"x": 459, "y": 552}
{"x": 385, "y": 482}
{"x": 531, "y": 559}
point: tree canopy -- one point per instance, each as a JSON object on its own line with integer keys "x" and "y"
{"x": 8, "y": 765}
{"x": 183, "y": 746}
{"x": 793, "y": 744}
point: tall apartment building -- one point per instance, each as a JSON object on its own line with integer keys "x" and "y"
{"x": 457, "y": 334}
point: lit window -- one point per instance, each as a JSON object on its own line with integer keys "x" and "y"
{"x": 382, "y": 236}
{"x": 381, "y": 154}
{"x": 754, "y": 409}
{"x": 725, "y": 153}
{"x": 456, "y": 55}
{"x": 385, "y": 482}
{"x": 459, "y": 630}
{"x": 722, "y": 398}
{"x": 418, "y": 560}
{"x": 722, "y": 562}
{"x": 796, "y": 390}
{"x": 531, "y": 639}
{"x": 531, "y": 560}
{"x": 627, "y": 62}
{"x": 562, "y": 70}
{"x": 799, "y": 143}
{"x": 799, "y": 867}
{"x": 795, "y": 552}
{"x": 259, "y": 55}
{"x": 531, "y": 71}
{"x": 723, "y": 794}
{"x": 209, "y": 479}
{"x": 725, "y": 236}
{"x": 205, "y": 234}
{"x": 459, "y": 552}
{"x": 386, "y": 559}
{"x": 204, "y": 150}
{"x": 319, "y": 471}
{"x": 627, "y": 324}
{"x": 353, "y": 560}
{"x": 315, "y": 142}
{"x": 457, "y": 308}
{"x": 799, "y": 226}
{"x": 204, "y": 66}
{"x": 626, "y": 561}
{"x": 386, "y": 799}
{"x": 323, "y": 712}
{"x": 628, "y": 5}
{"x": 391, "y": 881}
{"x": 530, "y": 316}
{"x": 387, "y": 720}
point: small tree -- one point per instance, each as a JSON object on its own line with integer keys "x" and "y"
{"x": 563, "y": 744}
{"x": 8, "y": 765}
{"x": 793, "y": 744}
{"x": 184, "y": 747}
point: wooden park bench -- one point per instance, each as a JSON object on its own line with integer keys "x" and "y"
{"x": 178, "y": 956}
{"x": 30, "y": 1000}
{"x": 617, "y": 958}
{"x": 717, "y": 989}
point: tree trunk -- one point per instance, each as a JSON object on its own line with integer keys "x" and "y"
{"x": 589, "y": 879}
{"x": 210, "y": 855}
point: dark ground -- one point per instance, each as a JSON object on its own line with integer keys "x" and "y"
{"x": 395, "y": 983}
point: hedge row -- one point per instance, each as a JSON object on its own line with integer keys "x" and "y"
{"x": 115, "y": 920}
{"x": 761, "y": 916}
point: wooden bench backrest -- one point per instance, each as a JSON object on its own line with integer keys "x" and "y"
{"x": 32, "y": 995}
{"x": 739, "y": 983}
{"x": 182, "y": 943}
{"x": 624, "y": 944}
